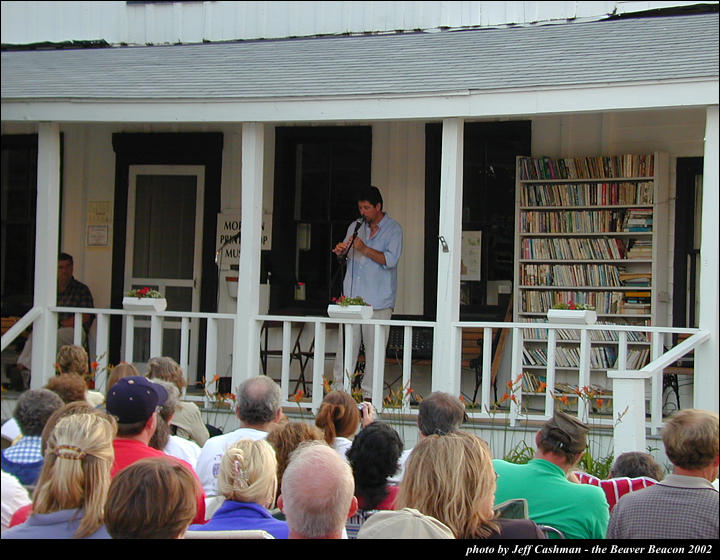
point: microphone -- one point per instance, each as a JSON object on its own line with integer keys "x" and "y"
{"x": 358, "y": 223}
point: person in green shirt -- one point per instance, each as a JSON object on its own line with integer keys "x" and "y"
{"x": 580, "y": 511}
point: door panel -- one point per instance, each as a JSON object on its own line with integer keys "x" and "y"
{"x": 163, "y": 250}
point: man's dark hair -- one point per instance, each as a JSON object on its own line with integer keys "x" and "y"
{"x": 440, "y": 413}
{"x": 33, "y": 409}
{"x": 634, "y": 464}
{"x": 373, "y": 457}
{"x": 65, "y": 257}
{"x": 130, "y": 429}
{"x": 372, "y": 195}
{"x": 258, "y": 400}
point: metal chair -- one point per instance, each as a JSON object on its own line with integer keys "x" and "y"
{"x": 548, "y": 530}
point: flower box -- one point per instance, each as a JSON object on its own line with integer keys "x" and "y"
{"x": 350, "y": 311}
{"x": 572, "y": 316}
{"x": 144, "y": 304}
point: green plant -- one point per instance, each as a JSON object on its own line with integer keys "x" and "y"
{"x": 344, "y": 301}
{"x": 599, "y": 467}
{"x": 144, "y": 293}
{"x": 520, "y": 454}
{"x": 573, "y": 306}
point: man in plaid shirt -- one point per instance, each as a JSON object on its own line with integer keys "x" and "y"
{"x": 70, "y": 293}
{"x": 684, "y": 505}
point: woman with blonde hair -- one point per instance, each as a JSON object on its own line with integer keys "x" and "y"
{"x": 339, "y": 417}
{"x": 248, "y": 482}
{"x": 451, "y": 478}
{"x": 187, "y": 421}
{"x": 70, "y": 495}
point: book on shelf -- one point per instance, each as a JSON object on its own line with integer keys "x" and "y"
{"x": 589, "y": 167}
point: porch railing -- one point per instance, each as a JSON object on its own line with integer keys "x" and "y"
{"x": 659, "y": 339}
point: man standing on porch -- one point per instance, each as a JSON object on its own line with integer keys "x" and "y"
{"x": 373, "y": 245}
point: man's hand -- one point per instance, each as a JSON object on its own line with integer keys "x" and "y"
{"x": 340, "y": 248}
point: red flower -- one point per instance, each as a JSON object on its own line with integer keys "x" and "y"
{"x": 572, "y": 305}
{"x": 297, "y": 397}
{"x": 94, "y": 366}
{"x": 513, "y": 399}
{"x": 564, "y": 399}
{"x": 599, "y": 402}
{"x": 541, "y": 386}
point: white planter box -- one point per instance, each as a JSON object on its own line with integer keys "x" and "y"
{"x": 572, "y": 316}
{"x": 232, "y": 286}
{"x": 144, "y": 304}
{"x": 350, "y": 311}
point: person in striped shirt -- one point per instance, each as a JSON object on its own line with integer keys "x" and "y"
{"x": 630, "y": 472}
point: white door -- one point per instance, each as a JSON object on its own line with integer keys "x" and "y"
{"x": 163, "y": 251}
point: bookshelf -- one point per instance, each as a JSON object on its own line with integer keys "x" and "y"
{"x": 587, "y": 231}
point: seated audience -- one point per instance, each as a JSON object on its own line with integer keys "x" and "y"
{"x": 14, "y": 497}
{"x": 406, "y": 523}
{"x": 248, "y": 481}
{"x": 70, "y": 387}
{"x": 339, "y": 419}
{"x": 24, "y": 459}
{"x": 451, "y": 478}
{"x": 70, "y": 409}
{"x": 580, "y": 511}
{"x": 684, "y": 505}
{"x": 439, "y": 414}
{"x": 373, "y": 457}
{"x": 187, "y": 421}
{"x": 134, "y": 402}
{"x": 317, "y": 492}
{"x": 163, "y": 439}
{"x": 71, "y": 492}
{"x": 153, "y": 498}
{"x": 74, "y": 359}
{"x": 286, "y": 439}
{"x": 631, "y": 471}
{"x": 123, "y": 369}
{"x": 258, "y": 408}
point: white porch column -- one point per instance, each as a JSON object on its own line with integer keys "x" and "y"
{"x": 446, "y": 343}
{"x": 707, "y": 370}
{"x": 246, "y": 337}
{"x": 628, "y": 405}
{"x": 46, "y": 252}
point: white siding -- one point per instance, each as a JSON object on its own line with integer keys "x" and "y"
{"x": 194, "y": 22}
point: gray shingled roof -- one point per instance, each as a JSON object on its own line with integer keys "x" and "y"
{"x": 608, "y": 51}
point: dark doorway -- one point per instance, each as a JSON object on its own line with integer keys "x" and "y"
{"x": 318, "y": 171}
{"x": 490, "y": 149}
{"x": 166, "y": 149}
{"x": 19, "y": 195}
{"x": 687, "y": 241}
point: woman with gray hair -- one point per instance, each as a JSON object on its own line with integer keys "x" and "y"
{"x": 187, "y": 421}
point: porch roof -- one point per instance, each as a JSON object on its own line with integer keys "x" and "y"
{"x": 614, "y": 51}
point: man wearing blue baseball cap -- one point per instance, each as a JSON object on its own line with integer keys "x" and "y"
{"x": 134, "y": 401}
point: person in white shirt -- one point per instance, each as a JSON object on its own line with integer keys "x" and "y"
{"x": 258, "y": 408}
{"x": 14, "y": 496}
{"x": 163, "y": 439}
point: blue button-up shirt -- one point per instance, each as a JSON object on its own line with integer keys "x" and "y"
{"x": 375, "y": 283}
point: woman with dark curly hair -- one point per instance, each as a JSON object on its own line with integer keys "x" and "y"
{"x": 373, "y": 457}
